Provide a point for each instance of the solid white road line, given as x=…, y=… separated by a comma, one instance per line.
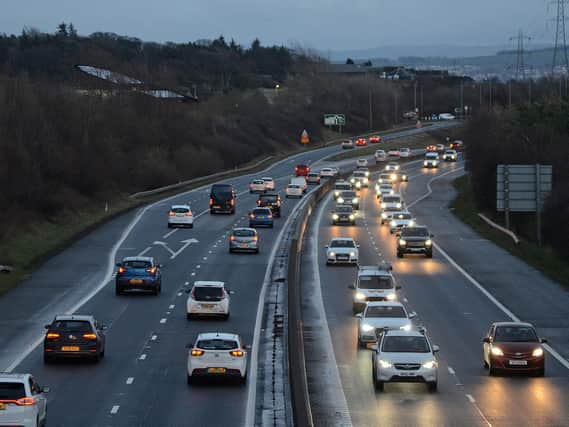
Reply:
x=171, y=307
x=469, y=397
x=430, y=190
x=154, y=337
x=451, y=371
x=169, y=233
x=115, y=409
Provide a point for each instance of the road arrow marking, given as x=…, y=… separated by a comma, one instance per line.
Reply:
x=186, y=243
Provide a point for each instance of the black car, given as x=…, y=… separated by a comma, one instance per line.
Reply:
x=272, y=201
x=74, y=336
x=343, y=214
x=222, y=198
x=415, y=240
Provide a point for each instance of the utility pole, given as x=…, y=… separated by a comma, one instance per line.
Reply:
x=415, y=94
x=520, y=61
x=560, y=48
x=462, y=99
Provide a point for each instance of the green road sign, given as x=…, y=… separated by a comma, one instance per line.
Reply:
x=334, y=120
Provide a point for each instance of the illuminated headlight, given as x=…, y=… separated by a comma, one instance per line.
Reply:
x=358, y=184
x=425, y=163
x=361, y=297
x=391, y=192
x=431, y=364
x=393, y=177
x=366, y=181
x=385, y=364
x=352, y=217
x=335, y=216
x=453, y=157
x=393, y=224
x=367, y=173
x=384, y=215
x=435, y=162
x=352, y=254
x=396, y=168
x=332, y=254
x=538, y=352
x=496, y=351
x=391, y=297
x=402, y=242
x=411, y=223
x=398, y=205
x=340, y=200
x=367, y=328
x=377, y=188
x=352, y=180
x=355, y=200
x=336, y=193
x=428, y=242
x=383, y=205
x=404, y=177
x=405, y=328
x=380, y=180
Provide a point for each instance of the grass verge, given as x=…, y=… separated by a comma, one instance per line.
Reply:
x=543, y=259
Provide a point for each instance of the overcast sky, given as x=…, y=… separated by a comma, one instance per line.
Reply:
x=320, y=24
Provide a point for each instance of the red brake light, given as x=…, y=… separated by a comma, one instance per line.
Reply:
x=210, y=201
x=90, y=336
x=270, y=216
x=52, y=335
x=26, y=401
x=251, y=216
x=189, y=214
x=236, y=353
x=196, y=352
x=258, y=202
x=232, y=202
x=255, y=238
x=171, y=213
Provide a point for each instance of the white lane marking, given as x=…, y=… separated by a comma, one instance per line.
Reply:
x=186, y=243
x=469, y=397
x=429, y=189
x=497, y=303
x=252, y=381
x=171, y=306
x=198, y=266
x=186, y=283
x=144, y=251
x=169, y=233
x=163, y=320
x=210, y=252
x=180, y=294
x=130, y=380
x=205, y=258
x=193, y=273
x=115, y=409
x=341, y=403
x=451, y=371
x=154, y=337
x=142, y=357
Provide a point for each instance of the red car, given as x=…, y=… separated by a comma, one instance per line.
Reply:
x=376, y=139
x=301, y=170
x=513, y=347
x=360, y=142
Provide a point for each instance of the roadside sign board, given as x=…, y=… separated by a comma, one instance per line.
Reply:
x=522, y=188
x=334, y=120
x=304, y=138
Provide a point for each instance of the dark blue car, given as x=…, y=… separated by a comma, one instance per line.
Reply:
x=261, y=217
x=138, y=273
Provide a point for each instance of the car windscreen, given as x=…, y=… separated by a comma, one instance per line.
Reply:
x=222, y=192
x=261, y=212
x=386, y=311
x=271, y=198
x=217, y=344
x=386, y=187
x=342, y=244
x=411, y=231
x=515, y=334
x=180, y=210
x=343, y=186
x=450, y=152
x=391, y=199
x=402, y=216
x=431, y=156
x=348, y=194
x=401, y=344
x=244, y=233
x=12, y=390
x=375, y=282
x=385, y=176
x=137, y=264
x=205, y=293
x=344, y=209
x=72, y=325
x=258, y=182
x=359, y=174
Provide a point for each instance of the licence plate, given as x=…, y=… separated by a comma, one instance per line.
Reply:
x=407, y=374
x=518, y=362
x=216, y=206
x=207, y=305
x=216, y=370
x=243, y=245
x=135, y=281
x=70, y=348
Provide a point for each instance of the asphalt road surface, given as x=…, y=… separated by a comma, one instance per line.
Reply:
x=456, y=313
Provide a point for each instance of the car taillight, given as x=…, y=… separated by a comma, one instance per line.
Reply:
x=171, y=213
x=255, y=238
x=196, y=353
x=270, y=216
x=258, y=203
x=122, y=269
x=251, y=216
x=26, y=401
x=210, y=201
x=90, y=336
x=52, y=335
x=232, y=202
x=236, y=353
x=232, y=238
x=151, y=270
x=189, y=214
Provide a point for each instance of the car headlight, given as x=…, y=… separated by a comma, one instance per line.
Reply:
x=393, y=177
x=393, y=223
x=360, y=296
x=396, y=168
x=336, y=193
x=497, y=351
x=352, y=180
x=358, y=184
x=377, y=188
x=384, y=364
x=435, y=162
x=332, y=254
x=431, y=364
x=367, y=328
x=391, y=297
x=352, y=217
x=391, y=192
x=398, y=205
x=340, y=200
x=428, y=242
x=404, y=177
x=355, y=200
x=335, y=216
x=425, y=163
x=402, y=242
x=352, y=254
x=405, y=328
x=384, y=215
x=366, y=181
x=367, y=173
x=411, y=223
x=383, y=205
x=538, y=352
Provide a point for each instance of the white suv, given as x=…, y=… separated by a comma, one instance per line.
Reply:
x=381, y=315
x=404, y=356
x=208, y=298
x=431, y=160
x=374, y=283
x=217, y=354
x=22, y=401
x=180, y=216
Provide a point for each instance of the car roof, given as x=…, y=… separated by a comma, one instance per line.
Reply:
x=514, y=324
x=403, y=333
x=214, y=335
x=343, y=239
x=209, y=284
x=13, y=376
x=180, y=206
x=384, y=304
x=79, y=317
x=258, y=180
x=394, y=195
x=343, y=205
x=262, y=208
x=138, y=258
x=244, y=229
x=267, y=178
x=373, y=270
x=402, y=212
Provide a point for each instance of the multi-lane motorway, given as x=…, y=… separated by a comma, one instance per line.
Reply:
x=142, y=379
x=468, y=284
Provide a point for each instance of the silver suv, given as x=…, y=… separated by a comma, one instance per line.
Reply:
x=374, y=283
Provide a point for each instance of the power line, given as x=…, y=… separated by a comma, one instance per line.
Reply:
x=520, y=54
x=560, y=48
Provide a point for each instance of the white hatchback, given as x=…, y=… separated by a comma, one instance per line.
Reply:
x=293, y=190
x=217, y=355
x=180, y=216
x=22, y=401
x=342, y=250
x=327, y=173
x=380, y=315
x=269, y=183
x=257, y=186
x=208, y=298
x=361, y=162
x=404, y=152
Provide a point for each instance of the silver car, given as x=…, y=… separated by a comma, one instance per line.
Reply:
x=244, y=239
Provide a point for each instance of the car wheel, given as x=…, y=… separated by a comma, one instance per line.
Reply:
x=429, y=254
x=118, y=291
x=399, y=254
x=189, y=316
x=271, y=226
x=539, y=373
x=432, y=386
x=485, y=363
x=230, y=250
x=243, y=380
x=190, y=380
x=379, y=385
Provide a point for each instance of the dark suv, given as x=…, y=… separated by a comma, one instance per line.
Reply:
x=74, y=336
x=272, y=201
x=415, y=240
x=222, y=198
x=138, y=273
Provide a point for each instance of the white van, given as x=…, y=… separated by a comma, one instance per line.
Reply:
x=300, y=181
